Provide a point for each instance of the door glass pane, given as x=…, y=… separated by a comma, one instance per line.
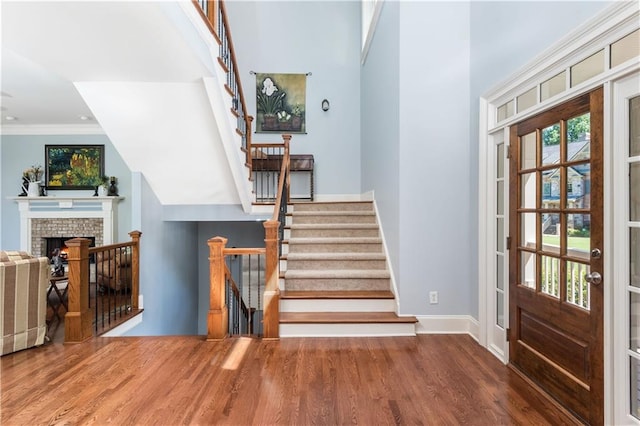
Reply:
x=500, y=197
x=500, y=234
x=528, y=151
x=551, y=189
x=528, y=192
x=634, y=192
x=634, y=126
x=500, y=271
x=500, y=308
x=528, y=230
x=634, y=257
x=528, y=269
x=634, y=326
x=626, y=48
x=579, y=138
x=553, y=86
x=587, y=68
x=579, y=187
x=577, y=285
x=634, y=382
x=551, y=144
x=579, y=235
x=550, y=232
x=506, y=110
x=500, y=161
x=527, y=99
x=550, y=275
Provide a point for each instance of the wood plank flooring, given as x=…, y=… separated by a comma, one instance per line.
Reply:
x=170, y=380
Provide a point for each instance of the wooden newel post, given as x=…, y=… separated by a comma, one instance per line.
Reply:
x=78, y=320
x=218, y=317
x=135, y=269
x=271, y=320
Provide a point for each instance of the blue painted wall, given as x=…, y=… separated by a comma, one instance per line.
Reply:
x=168, y=270
x=380, y=128
x=323, y=38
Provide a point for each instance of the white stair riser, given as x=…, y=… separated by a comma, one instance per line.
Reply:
x=337, y=305
x=347, y=330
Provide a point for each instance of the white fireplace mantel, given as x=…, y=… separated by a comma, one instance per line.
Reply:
x=104, y=208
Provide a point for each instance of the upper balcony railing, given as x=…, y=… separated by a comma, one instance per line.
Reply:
x=214, y=15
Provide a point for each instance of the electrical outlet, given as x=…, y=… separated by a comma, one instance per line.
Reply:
x=433, y=297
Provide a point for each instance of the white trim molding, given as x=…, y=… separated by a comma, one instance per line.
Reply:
x=448, y=324
x=104, y=208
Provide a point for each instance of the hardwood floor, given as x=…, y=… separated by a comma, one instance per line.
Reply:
x=429, y=379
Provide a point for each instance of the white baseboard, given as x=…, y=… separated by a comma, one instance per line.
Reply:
x=124, y=327
x=448, y=324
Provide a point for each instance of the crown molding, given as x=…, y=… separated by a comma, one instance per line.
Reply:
x=51, y=129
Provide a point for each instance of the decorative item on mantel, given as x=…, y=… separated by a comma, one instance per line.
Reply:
x=31, y=179
x=113, y=189
x=101, y=186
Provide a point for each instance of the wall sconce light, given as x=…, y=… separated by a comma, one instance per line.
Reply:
x=325, y=105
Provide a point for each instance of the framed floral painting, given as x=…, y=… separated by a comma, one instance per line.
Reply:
x=74, y=166
x=281, y=103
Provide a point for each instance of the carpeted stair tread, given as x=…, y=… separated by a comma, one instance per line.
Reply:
x=343, y=318
x=333, y=206
x=333, y=240
x=333, y=213
x=336, y=294
x=334, y=256
x=337, y=273
x=333, y=226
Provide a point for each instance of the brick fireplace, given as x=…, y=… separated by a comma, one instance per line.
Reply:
x=47, y=217
x=61, y=228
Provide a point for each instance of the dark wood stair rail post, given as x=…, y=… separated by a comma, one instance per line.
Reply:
x=218, y=317
x=135, y=268
x=78, y=320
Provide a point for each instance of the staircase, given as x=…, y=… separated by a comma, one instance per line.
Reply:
x=334, y=273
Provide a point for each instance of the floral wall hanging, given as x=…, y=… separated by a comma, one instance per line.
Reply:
x=281, y=103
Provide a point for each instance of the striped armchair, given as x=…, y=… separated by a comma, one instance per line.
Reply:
x=23, y=300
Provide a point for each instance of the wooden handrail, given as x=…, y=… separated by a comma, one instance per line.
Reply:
x=80, y=315
x=284, y=174
x=241, y=97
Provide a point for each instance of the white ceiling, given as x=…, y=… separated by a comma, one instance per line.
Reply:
x=49, y=46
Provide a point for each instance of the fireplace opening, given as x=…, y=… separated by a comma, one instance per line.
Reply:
x=52, y=243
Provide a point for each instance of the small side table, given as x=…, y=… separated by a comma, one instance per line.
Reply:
x=56, y=285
